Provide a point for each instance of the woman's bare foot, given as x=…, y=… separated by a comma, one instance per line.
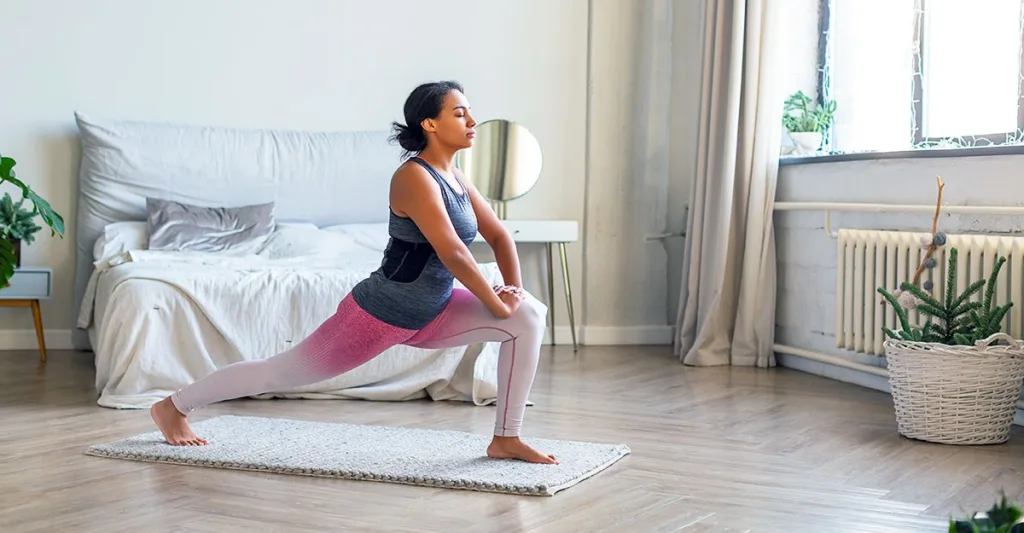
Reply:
x=173, y=425
x=513, y=448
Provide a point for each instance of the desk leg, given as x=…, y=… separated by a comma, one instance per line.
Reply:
x=37, y=317
x=568, y=294
x=551, y=293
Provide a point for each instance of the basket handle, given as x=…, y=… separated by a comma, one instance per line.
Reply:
x=1016, y=343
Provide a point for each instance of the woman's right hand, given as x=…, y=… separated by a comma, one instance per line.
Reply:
x=510, y=303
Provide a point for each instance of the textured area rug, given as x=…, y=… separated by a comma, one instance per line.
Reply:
x=432, y=458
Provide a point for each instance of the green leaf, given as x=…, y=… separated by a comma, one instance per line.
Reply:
x=965, y=308
x=971, y=289
x=49, y=216
x=6, y=262
x=951, y=279
x=900, y=312
x=990, y=289
x=6, y=167
x=921, y=294
x=994, y=323
x=931, y=310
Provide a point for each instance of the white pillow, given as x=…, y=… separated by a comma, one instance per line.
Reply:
x=290, y=239
x=305, y=240
x=371, y=235
x=117, y=239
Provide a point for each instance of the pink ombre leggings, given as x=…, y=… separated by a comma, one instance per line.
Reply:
x=352, y=337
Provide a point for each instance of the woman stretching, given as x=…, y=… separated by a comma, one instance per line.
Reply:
x=410, y=299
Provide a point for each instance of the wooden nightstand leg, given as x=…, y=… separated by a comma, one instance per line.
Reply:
x=37, y=317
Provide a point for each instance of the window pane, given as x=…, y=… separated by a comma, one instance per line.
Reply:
x=872, y=73
x=971, y=67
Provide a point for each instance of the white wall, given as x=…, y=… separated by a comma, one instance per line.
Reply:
x=301, y=64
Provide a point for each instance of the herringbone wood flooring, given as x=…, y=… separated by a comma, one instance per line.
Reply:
x=714, y=450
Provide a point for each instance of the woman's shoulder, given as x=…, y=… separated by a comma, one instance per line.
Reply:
x=410, y=180
x=410, y=172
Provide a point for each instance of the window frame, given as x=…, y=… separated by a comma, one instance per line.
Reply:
x=917, y=81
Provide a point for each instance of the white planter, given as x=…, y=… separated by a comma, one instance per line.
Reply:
x=956, y=394
x=807, y=142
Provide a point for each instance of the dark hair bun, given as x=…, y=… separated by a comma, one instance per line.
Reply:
x=412, y=140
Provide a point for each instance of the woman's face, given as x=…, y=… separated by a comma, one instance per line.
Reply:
x=454, y=125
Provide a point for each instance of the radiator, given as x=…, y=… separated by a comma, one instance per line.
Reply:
x=868, y=259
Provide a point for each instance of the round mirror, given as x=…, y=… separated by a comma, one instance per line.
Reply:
x=504, y=162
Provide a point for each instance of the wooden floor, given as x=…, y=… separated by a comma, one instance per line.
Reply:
x=714, y=450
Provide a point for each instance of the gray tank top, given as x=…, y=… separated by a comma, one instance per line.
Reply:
x=412, y=286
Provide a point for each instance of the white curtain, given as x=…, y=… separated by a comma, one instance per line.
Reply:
x=726, y=310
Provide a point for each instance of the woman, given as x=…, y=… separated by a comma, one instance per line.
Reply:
x=435, y=215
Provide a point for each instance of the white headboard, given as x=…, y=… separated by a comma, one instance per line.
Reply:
x=320, y=177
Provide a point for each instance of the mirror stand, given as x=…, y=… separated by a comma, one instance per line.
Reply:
x=500, y=208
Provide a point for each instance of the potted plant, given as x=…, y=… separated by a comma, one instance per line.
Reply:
x=17, y=224
x=9, y=251
x=807, y=122
x=957, y=378
x=1003, y=517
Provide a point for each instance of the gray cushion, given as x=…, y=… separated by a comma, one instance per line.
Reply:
x=175, y=226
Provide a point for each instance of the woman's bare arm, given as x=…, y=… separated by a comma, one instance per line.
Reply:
x=497, y=237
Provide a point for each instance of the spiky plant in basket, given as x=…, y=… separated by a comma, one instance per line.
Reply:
x=957, y=321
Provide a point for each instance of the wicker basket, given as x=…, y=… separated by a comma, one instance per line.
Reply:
x=956, y=394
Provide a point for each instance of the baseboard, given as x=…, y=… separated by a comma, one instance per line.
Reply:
x=846, y=372
x=25, y=339
x=611, y=335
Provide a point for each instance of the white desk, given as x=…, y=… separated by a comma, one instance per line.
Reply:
x=549, y=233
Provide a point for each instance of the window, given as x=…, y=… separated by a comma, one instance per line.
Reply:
x=911, y=74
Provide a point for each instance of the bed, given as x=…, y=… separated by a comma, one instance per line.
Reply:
x=157, y=320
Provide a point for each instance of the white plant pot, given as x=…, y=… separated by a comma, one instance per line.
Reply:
x=807, y=142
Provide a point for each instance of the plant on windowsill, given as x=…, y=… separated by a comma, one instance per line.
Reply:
x=806, y=122
x=957, y=378
x=13, y=229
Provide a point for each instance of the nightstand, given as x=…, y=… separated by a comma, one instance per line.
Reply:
x=28, y=286
x=550, y=233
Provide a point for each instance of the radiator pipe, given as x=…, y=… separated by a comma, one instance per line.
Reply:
x=896, y=208
x=828, y=207
x=839, y=361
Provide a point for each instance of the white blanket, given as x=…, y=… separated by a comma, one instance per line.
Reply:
x=164, y=320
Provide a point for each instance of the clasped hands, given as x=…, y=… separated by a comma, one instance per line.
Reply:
x=510, y=295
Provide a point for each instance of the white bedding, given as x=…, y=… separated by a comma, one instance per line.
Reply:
x=160, y=320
